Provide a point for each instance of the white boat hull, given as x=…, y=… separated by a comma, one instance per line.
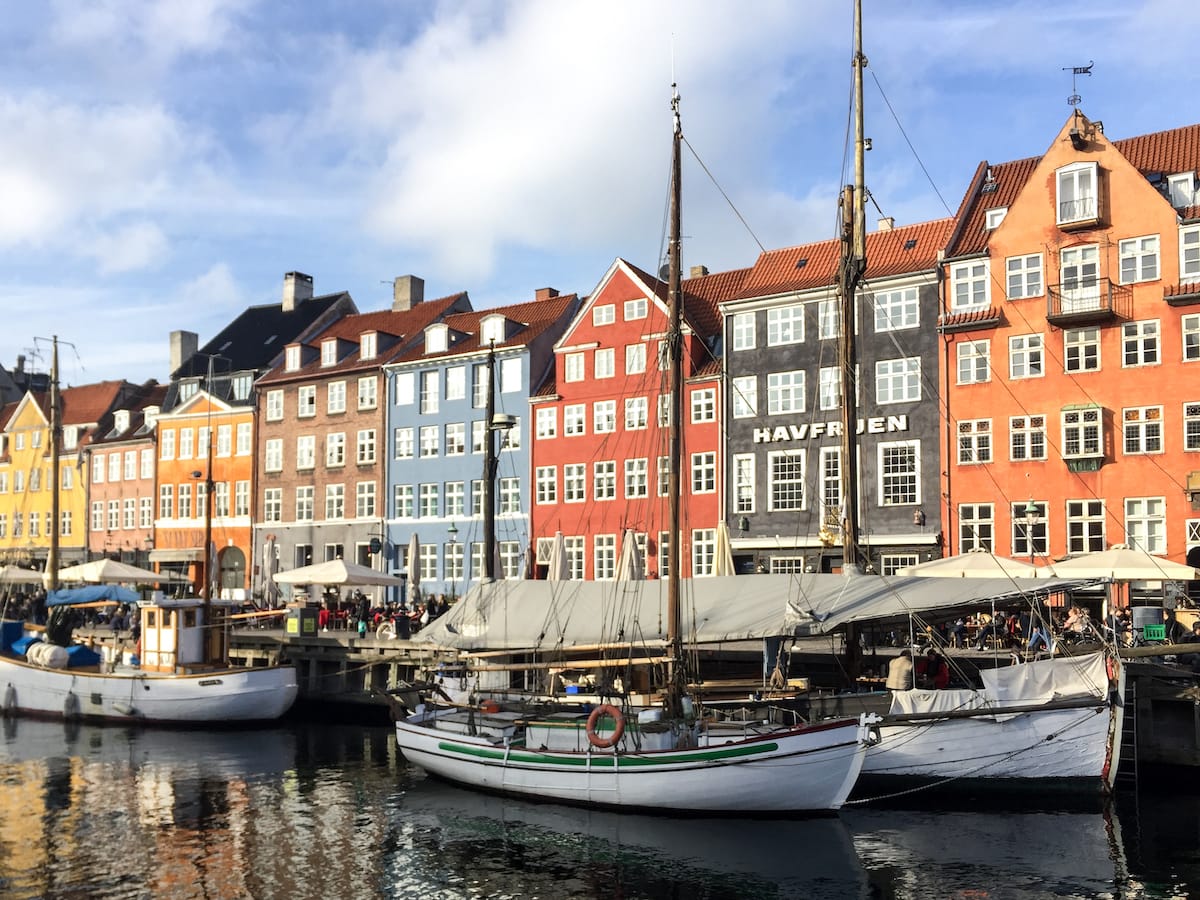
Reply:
x=1076, y=740
x=131, y=695
x=808, y=769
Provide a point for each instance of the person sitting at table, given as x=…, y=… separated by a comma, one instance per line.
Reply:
x=932, y=671
x=996, y=627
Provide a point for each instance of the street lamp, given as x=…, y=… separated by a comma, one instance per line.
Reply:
x=1031, y=519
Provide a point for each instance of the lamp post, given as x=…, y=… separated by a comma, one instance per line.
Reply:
x=452, y=581
x=1031, y=519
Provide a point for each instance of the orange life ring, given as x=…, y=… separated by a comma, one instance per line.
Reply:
x=605, y=709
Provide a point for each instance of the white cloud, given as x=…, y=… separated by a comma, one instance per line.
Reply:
x=136, y=246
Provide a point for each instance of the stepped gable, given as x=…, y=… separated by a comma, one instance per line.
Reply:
x=259, y=334
x=896, y=251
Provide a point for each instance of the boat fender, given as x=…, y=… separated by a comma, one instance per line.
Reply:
x=10, y=700
x=1111, y=666
x=489, y=707
x=71, y=706
x=605, y=709
x=386, y=631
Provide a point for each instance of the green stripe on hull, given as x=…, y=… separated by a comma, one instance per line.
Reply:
x=597, y=761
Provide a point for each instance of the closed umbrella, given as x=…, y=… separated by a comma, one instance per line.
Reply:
x=557, y=569
x=630, y=566
x=414, y=564
x=723, y=556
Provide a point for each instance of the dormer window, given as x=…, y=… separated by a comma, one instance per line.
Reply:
x=492, y=329
x=292, y=358
x=1077, y=193
x=436, y=339
x=368, y=345
x=121, y=421
x=993, y=218
x=241, y=386
x=1182, y=189
x=329, y=355
x=188, y=389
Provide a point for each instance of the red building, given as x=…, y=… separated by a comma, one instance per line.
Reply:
x=600, y=427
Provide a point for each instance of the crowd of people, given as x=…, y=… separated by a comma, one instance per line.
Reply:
x=355, y=612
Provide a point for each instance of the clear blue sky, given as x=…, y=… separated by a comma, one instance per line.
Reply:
x=164, y=162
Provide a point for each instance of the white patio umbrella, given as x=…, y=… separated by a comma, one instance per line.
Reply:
x=630, y=566
x=335, y=571
x=414, y=564
x=109, y=571
x=557, y=569
x=723, y=556
x=976, y=564
x=17, y=575
x=1122, y=563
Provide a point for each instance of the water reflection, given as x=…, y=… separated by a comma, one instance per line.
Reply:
x=316, y=811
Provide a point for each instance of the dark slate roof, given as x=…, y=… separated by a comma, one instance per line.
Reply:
x=255, y=338
x=149, y=394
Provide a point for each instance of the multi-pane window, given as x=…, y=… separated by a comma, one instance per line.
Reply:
x=743, y=331
x=456, y=439
x=428, y=495
x=365, y=447
x=305, y=503
x=1081, y=350
x=891, y=563
x=976, y=527
x=898, y=380
x=635, y=478
x=829, y=319
x=145, y=512
x=830, y=461
x=704, y=552
x=1189, y=253
x=166, y=501
x=185, y=501
x=635, y=309
x=456, y=498
x=604, y=480
x=604, y=315
x=273, y=459
x=166, y=444
x=456, y=383
x=604, y=416
x=274, y=406
x=481, y=380
x=573, y=420
x=743, y=483
x=336, y=397
x=605, y=363
x=1030, y=529
x=1139, y=343
x=510, y=496
x=479, y=435
x=405, y=388
x=1076, y=193
x=368, y=392
x=785, y=392
x=1139, y=259
x=403, y=501
x=785, y=473
x=1083, y=432
x=744, y=390
x=430, y=392
x=242, y=441
x=1024, y=275
x=1190, y=328
x=636, y=413
x=1027, y=437
x=785, y=325
x=1080, y=287
x=664, y=476
x=704, y=405
x=306, y=451
x=241, y=498
x=224, y=440
x=829, y=392
x=306, y=401
x=453, y=560
x=114, y=471
x=405, y=440
x=221, y=499
x=969, y=285
x=899, y=473
x=1025, y=359
x=1146, y=524
x=545, y=481
x=335, y=449
x=635, y=359
x=664, y=410
x=1191, y=426
x=546, y=422
x=1085, y=526
x=573, y=367
x=147, y=464
x=895, y=310
x=273, y=505
x=704, y=473
x=574, y=546
x=1142, y=428
x=574, y=483
x=430, y=439
x=605, y=556
x=974, y=441
x=974, y=362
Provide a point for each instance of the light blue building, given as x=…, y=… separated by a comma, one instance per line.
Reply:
x=436, y=424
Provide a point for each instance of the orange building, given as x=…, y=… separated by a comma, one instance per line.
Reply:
x=1071, y=340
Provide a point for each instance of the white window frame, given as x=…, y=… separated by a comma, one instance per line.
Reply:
x=787, y=480
x=785, y=325
x=786, y=392
x=970, y=285
x=1083, y=432
x=1146, y=524
x=1077, y=191
x=1189, y=254
x=1139, y=259
x=976, y=527
x=1024, y=276
x=899, y=471
x=604, y=480
x=1027, y=438
x=604, y=314
x=898, y=380
x=1142, y=430
x=974, y=441
x=635, y=359
x=1026, y=356
x=573, y=367
x=897, y=310
x=274, y=405
x=1081, y=350
x=974, y=361
x=744, y=469
x=744, y=390
x=1140, y=344
x=742, y=331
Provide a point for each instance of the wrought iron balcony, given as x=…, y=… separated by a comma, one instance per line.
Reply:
x=1088, y=300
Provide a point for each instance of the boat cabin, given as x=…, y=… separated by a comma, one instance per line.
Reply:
x=176, y=638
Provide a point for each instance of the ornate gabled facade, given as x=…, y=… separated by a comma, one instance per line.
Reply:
x=600, y=427
x=1071, y=323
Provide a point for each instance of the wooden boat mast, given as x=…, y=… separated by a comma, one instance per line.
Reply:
x=490, y=465
x=52, y=557
x=674, y=350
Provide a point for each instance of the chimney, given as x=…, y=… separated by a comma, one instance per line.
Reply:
x=297, y=287
x=698, y=271
x=407, y=292
x=184, y=345
x=887, y=223
x=545, y=293
x=20, y=369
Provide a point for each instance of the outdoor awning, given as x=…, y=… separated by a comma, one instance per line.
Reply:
x=190, y=554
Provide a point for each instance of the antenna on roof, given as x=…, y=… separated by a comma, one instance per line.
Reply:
x=1076, y=71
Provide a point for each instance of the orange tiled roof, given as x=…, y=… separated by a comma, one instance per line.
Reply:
x=702, y=296
x=86, y=404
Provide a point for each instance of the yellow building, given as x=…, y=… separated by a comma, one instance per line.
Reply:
x=27, y=482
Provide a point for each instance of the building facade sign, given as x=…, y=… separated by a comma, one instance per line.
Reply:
x=805, y=431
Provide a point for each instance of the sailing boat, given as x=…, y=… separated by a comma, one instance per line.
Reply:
x=667, y=758
x=1052, y=721
x=180, y=678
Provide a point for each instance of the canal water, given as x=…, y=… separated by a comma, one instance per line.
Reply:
x=333, y=811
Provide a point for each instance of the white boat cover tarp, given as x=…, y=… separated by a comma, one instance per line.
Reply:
x=1047, y=679
x=522, y=614
x=922, y=701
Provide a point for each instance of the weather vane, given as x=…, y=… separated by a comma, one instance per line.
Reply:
x=1076, y=71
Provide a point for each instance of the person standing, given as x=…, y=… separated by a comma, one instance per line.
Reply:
x=900, y=672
